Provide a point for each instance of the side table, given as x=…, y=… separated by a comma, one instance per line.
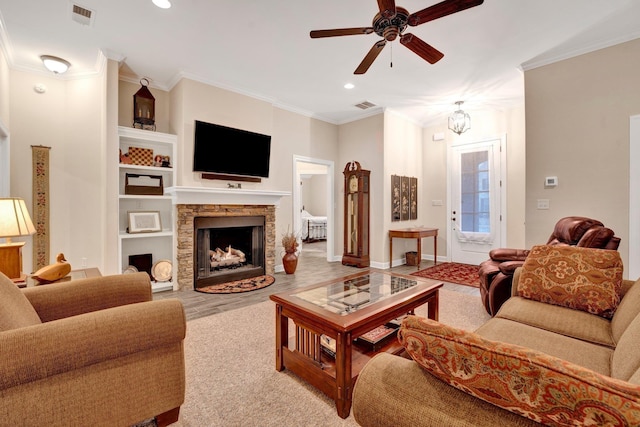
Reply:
x=82, y=273
x=415, y=233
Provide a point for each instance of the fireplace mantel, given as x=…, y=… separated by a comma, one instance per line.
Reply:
x=224, y=196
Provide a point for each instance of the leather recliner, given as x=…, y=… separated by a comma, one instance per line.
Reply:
x=496, y=273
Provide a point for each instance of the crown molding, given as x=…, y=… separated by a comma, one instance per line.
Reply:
x=274, y=102
x=5, y=43
x=572, y=53
x=374, y=111
x=136, y=80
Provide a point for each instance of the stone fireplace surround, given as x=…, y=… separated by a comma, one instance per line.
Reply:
x=192, y=202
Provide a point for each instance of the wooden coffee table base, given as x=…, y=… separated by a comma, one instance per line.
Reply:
x=303, y=354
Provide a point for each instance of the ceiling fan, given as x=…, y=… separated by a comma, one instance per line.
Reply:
x=391, y=22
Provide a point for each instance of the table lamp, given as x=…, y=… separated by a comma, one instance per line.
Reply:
x=14, y=222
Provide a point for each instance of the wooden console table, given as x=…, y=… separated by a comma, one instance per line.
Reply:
x=415, y=233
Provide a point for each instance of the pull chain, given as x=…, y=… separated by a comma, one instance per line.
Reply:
x=391, y=55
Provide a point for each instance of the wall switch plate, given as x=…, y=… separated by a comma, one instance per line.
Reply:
x=436, y=203
x=543, y=203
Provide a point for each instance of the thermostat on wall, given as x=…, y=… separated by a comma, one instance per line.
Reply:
x=551, y=181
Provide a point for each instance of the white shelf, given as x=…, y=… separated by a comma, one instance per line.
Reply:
x=127, y=166
x=140, y=135
x=166, y=233
x=162, y=244
x=161, y=286
x=144, y=197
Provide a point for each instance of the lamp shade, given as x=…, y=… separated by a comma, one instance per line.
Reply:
x=14, y=218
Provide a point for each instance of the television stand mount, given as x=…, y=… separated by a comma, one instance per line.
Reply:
x=224, y=177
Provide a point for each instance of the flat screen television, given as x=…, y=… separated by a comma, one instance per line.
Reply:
x=223, y=150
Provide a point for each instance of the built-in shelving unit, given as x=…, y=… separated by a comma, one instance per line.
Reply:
x=160, y=244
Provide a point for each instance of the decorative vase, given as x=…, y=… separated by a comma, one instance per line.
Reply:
x=290, y=262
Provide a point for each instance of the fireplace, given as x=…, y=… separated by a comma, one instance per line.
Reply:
x=199, y=202
x=228, y=248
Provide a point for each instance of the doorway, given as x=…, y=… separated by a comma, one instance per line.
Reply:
x=476, y=194
x=313, y=181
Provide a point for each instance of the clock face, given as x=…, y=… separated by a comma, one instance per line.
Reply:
x=353, y=184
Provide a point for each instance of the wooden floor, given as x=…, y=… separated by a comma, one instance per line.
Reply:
x=312, y=268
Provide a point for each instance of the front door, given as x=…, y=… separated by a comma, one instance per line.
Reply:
x=476, y=194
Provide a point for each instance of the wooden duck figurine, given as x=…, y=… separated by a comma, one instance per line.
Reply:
x=53, y=272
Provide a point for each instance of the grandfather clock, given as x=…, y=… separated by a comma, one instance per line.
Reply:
x=356, y=215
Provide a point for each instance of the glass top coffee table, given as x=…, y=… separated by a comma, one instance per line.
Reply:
x=342, y=323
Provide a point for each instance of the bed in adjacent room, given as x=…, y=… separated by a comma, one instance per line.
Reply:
x=313, y=228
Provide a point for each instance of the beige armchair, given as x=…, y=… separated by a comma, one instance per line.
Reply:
x=93, y=352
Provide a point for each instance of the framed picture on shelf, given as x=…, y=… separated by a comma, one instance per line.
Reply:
x=144, y=222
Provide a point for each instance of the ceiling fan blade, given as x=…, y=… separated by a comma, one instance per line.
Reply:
x=421, y=48
x=447, y=7
x=387, y=8
x=371, y=56
x=316, y=34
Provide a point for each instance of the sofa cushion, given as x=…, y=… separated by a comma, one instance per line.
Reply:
x=561, y=320
x=579, y=278
x=15, y=309
x=626, y=357
x=628, y=309
x=540, y=387
x=582, y=353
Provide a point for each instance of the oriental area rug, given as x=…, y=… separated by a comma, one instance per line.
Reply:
x=244, y=285
x=452, y=272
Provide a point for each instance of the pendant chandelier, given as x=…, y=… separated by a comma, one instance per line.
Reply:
x=459, y=121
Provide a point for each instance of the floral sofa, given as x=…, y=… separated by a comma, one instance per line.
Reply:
x=563, y=350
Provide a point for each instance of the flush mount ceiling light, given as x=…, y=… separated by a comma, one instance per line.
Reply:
x=55, y=64
x=349, y=86
x=162, y=4
x=459, y=121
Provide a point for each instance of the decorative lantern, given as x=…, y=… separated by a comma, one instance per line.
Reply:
x=144, y=106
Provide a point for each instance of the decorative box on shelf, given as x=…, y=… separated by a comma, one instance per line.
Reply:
x=150, y=185
x=377, y=338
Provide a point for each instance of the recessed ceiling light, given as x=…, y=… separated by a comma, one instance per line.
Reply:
x=55, y=64
x=349, y=86
x=163, y=4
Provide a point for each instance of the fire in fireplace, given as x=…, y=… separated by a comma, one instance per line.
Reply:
x=228, y=248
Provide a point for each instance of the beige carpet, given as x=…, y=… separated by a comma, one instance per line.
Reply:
x=231, y=376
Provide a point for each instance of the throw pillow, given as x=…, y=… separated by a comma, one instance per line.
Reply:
x=579, y=278
x=524, y=381
x=15, y=309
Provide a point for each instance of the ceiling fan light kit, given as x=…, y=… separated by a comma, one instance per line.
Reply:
x=390, y=24
x=459, y=121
